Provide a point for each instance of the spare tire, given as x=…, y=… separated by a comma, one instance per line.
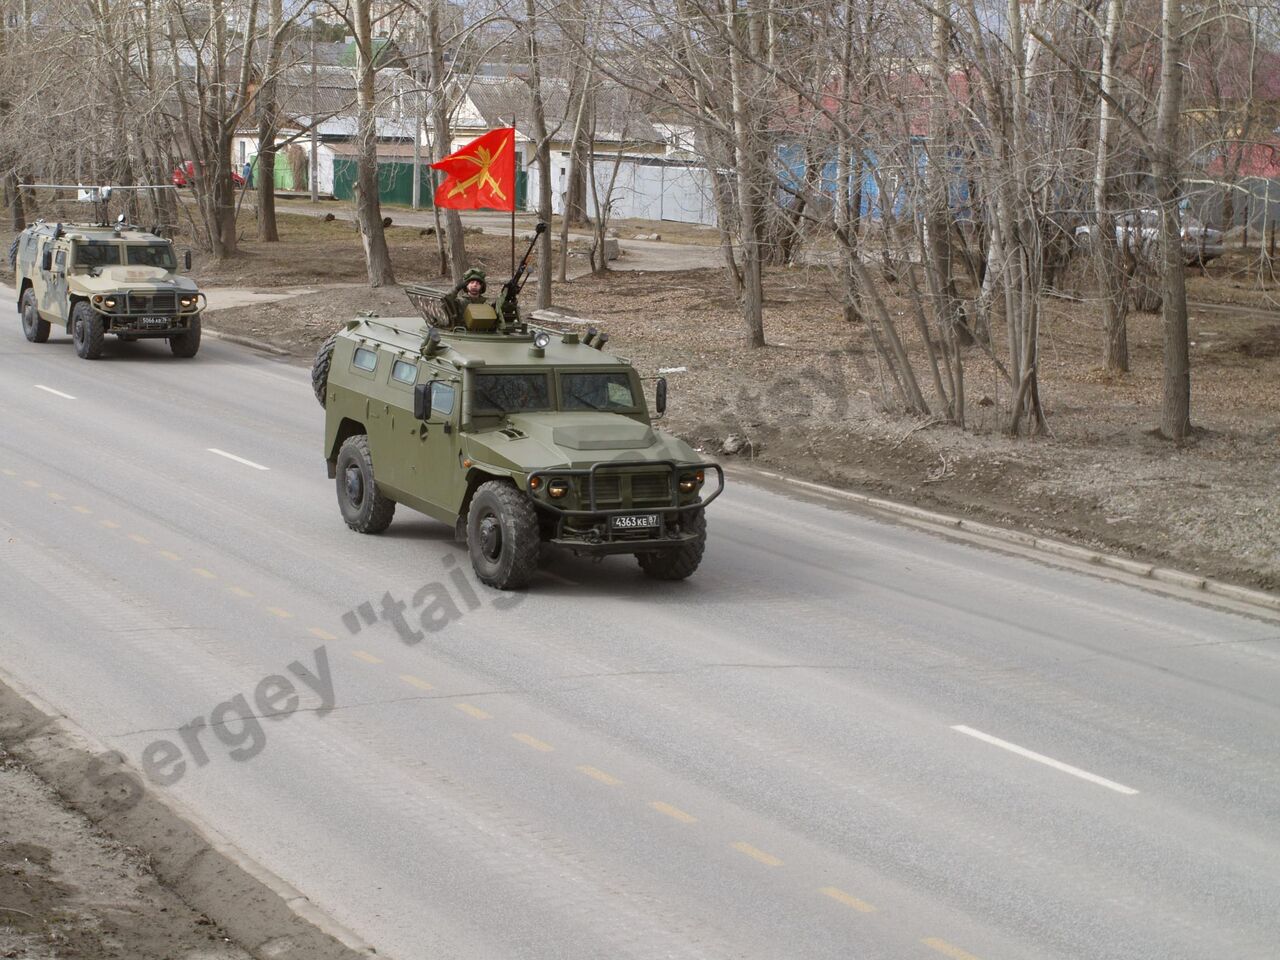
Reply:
x=320, y=368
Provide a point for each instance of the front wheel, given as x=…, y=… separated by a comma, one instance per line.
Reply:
x=87, y=331
x=680, y=562
x=363, y=508
x=36, y=330
x=502, y=536
x=187, y=343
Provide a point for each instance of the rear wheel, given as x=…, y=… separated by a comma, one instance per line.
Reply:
x=502, y=536
x=36, y=330
x=363, y=508
x=87, y=331
x=679, y=562
x=187, y=343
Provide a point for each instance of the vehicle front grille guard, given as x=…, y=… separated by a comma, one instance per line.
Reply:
x=618, y=465
x=133, y=305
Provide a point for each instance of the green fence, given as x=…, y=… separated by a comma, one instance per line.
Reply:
x=395, y=182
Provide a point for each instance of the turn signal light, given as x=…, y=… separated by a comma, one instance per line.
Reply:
x=535, y=484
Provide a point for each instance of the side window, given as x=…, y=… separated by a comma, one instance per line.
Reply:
x=402, y=371
x=442, y=395
x=365, y=359
x=60, y=261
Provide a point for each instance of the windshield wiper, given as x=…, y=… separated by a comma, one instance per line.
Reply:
x=583, y=400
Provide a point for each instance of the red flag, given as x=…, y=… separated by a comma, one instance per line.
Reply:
x=481, y=174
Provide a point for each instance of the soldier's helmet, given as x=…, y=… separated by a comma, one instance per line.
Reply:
x=475, y=273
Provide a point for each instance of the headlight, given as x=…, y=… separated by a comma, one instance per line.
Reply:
x=540, y=340
x=690, y=482
x=558, y=488
x=187, y=301
x=109, y=303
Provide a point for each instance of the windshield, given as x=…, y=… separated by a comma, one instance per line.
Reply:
x=596, y=391
x=151, y=255
x=97, y=253
x=508, y=392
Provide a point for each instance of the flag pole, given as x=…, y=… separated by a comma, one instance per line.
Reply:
x=513, y=198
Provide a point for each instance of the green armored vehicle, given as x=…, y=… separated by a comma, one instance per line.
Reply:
x=516, y=435
x=94, y=280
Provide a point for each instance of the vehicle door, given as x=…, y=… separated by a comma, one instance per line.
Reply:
x=439, y=469
x=53, y=299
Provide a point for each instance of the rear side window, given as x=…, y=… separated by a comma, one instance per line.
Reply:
x=365, y=359
x=404, y=371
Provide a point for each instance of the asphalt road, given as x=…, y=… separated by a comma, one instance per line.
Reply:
x=842, y=738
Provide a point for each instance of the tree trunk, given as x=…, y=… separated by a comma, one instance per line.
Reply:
x=267, y=125
x=455, y=239
x=542, y=153
x=750, y=214
x=368, y=203
x=1115, y=304
x=1175, y=414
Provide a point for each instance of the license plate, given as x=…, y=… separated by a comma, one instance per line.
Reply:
x=636, y=521
x=154, y=322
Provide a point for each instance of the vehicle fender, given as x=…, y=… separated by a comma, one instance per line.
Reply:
x=338, y=435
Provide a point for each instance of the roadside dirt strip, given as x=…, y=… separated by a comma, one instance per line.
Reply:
x=257, y=909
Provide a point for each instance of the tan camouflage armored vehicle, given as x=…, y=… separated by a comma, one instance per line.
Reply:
x=515, y=435
x=96, y=280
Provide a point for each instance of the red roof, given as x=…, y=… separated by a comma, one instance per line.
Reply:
x=1248, y=160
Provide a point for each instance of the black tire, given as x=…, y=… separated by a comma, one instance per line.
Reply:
x=36, y=330
x=320, y=368
x=363, y=508
x=187, y=343
x=680, y=562
x=502, y=536
x=87, y=331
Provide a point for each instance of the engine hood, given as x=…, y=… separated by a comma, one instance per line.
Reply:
x=533, y=441
x=111, y=279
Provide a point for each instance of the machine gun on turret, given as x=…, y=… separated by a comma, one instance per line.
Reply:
x=507, y=302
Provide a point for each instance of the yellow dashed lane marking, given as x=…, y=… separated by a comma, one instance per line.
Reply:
x=415, y=682
x=835, y=893
x=947, y=949
x=239, y=591
x=675, y=813
x=110, y=524
x=9, y=473
x=471, y=711
x=202, y=572
x=81, y=509
x=600, y=775
x=316, y=631
x=55, y=496
x=366, y=657
x=768, y=859
x=282, y=614
x=169, y=555
x=534, y=742
x=31, y=483
x=139, y=538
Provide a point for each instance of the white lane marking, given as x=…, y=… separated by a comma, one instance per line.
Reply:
x=232, y=456
x=1047, y=761
x=56, y=393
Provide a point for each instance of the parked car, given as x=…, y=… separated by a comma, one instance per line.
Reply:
x=1140, y=231
x=184, y=173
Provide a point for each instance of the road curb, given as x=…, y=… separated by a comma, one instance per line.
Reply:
x=264, y=914
x=248, y=342
x=1137, y=568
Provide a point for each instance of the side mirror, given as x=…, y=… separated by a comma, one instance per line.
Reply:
x=660, y=396
x=46, y=261
x=186, y=260
x=422, y=401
